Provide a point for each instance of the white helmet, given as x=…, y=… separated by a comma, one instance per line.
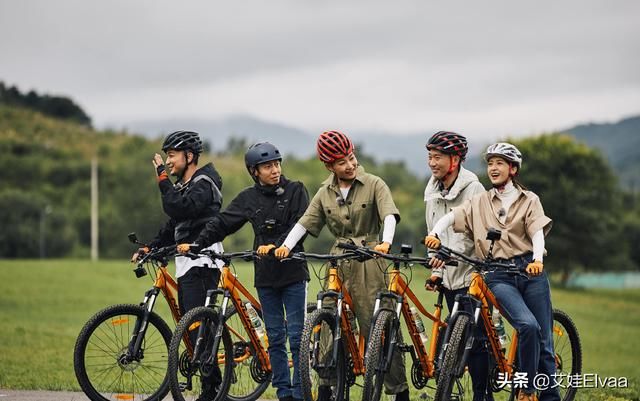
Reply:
x=506, y=151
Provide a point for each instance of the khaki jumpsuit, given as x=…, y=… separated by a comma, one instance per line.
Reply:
x=358, y=218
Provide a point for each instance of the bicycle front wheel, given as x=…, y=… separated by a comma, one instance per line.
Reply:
x=452, y=370
x=568, y=351
x=205, y=373
x=105, y=369
x=322, y=360
x=378, y=356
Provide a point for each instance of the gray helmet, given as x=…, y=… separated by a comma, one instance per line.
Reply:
x=258, y=153
x=505, y=150
x=183, y=140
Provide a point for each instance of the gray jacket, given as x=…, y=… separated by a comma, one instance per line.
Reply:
x=437, y=205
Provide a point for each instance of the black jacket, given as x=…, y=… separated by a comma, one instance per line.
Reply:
x=189, y=206
x=272, y=211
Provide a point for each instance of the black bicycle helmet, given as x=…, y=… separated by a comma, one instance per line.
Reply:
x=258, y=153
x=183, y=140
x=449, y=143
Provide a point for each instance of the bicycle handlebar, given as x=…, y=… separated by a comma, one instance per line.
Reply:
x=486, y=265
x=404, y=257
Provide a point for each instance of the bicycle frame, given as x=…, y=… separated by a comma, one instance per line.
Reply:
x=165, y=284
x=231, y=289
x=399, y=290
x=480, y=292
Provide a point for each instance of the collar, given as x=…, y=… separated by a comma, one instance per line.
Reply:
x=508, y=190
x=272, y=190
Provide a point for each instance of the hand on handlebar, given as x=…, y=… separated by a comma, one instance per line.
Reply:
x=282, y=252
x=382, y=247
x=264, y=250
x=535, y=268
x=433, y=283
x=432, y=241
x=139, y=253
x=185, y=249
x=436, y=262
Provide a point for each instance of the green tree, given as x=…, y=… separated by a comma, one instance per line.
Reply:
x=579, y=192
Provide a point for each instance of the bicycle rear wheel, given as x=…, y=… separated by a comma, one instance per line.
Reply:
x=568, y=351
x=101, y=362
x=248, y=381
x=205, y=373
x=317, y=366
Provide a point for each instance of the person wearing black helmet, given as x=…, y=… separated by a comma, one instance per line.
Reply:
x=451, y=185
x=272, y=205
x=192, y=201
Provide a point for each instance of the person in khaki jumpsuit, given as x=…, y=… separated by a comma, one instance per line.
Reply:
x=353, y=205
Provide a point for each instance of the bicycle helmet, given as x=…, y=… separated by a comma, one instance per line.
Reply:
x=333, y=145
x=449, y=143
x=505, y=150
x=183, y=140
x=258, y=153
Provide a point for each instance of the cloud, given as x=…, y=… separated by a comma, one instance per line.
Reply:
x=495, y=66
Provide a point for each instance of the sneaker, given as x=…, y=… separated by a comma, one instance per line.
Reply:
x=209, y=392
x=403, y=395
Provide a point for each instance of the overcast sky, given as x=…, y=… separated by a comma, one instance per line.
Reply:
x=484, y=68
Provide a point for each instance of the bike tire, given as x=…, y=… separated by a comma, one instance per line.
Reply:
x=450, y=368
x=101, y=345
x=568, y=360
x=376, y=355
x=180, y=363
x=315, y=346
x=245, y=385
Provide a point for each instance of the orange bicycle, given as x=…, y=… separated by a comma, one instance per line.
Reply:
x=385, y=338
x=229, y=335
x=121, y=352
x=330, y=349
x=459, y=337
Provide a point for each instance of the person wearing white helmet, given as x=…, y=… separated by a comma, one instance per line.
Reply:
x=518, y=213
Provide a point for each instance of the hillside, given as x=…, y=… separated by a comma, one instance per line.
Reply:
x=619, y=142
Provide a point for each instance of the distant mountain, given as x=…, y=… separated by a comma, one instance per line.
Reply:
x=619, y=142
x=217, y=133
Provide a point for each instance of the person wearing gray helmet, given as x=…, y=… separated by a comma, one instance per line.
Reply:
x=272, y=205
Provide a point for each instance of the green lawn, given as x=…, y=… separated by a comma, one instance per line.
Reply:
x=43, y=305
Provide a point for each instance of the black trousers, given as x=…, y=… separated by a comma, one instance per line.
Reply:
x=479, y=357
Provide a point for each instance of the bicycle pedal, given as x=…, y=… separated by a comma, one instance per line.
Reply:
x=184, y=387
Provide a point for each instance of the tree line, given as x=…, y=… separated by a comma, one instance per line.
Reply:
x=45, y=193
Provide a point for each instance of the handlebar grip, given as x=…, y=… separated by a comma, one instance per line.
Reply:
x=346, y=245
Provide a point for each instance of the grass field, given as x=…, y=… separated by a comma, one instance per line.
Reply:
x=43, y=305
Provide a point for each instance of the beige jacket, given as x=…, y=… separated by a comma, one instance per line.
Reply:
x=437, y=205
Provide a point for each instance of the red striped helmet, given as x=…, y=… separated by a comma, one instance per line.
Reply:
x=449, y=142
x=333, y=145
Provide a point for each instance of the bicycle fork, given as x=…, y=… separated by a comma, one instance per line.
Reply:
x=140, y=328
x=395, y=326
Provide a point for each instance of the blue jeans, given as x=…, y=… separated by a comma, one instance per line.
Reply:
x=526, y=303
x=291, y=299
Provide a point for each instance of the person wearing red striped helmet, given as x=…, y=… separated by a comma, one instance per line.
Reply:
x=354, y=205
